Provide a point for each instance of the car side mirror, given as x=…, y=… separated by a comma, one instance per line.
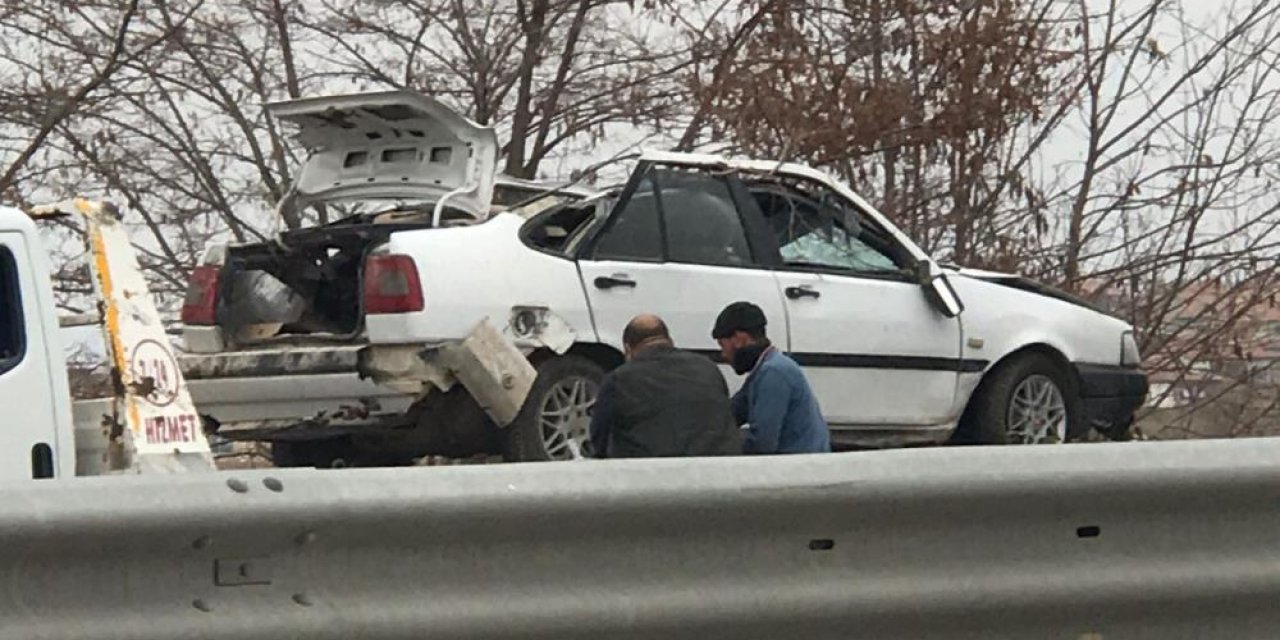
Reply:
x=938, y=289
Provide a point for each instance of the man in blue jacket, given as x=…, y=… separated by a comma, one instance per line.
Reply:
x=776, y=402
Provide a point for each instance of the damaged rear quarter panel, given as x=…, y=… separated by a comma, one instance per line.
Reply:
x=477, y=272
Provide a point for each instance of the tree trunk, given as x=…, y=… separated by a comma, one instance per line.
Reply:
x=533, y=17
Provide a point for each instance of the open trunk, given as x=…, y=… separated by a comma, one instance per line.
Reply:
x=307, y=285
x=428, y=164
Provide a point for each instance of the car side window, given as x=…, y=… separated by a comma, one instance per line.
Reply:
x=811, y=234
x=12, y=331
x=557, y=230
x=702, y=221
x=635, y=232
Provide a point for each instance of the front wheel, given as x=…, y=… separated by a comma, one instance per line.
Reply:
x=1028, y=400
x=555, y=421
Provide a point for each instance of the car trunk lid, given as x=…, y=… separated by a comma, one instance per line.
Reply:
x=395, y=144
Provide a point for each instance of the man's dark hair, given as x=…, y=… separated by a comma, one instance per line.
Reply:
x=643, y=328
x=740, y=316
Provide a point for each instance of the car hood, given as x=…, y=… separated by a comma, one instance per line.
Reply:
x=1023, y=283
x=394, y=144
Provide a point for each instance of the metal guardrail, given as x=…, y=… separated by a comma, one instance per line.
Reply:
x=1147, y=540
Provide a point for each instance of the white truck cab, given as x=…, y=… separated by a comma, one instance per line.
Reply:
x=37, y=438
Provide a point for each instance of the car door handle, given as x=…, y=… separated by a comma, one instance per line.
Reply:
x=803, y=291
x=615, y=280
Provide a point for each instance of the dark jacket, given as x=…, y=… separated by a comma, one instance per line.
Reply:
x=664, y=402
x=780, y=408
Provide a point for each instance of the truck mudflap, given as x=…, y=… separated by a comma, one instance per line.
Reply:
x=153, y=426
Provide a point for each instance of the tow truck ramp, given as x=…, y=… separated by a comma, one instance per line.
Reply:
x=1090, y=541
x=151, y=425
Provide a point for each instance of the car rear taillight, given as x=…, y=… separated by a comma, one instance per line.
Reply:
x=201, y=304
x=391, y=285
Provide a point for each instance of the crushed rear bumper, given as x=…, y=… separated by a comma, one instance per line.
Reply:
x=291, y=391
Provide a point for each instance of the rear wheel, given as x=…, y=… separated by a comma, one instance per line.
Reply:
x=554, y=423
x=1028, y=400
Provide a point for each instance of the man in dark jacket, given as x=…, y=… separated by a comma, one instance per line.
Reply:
x=776, y=400
x=662, y=401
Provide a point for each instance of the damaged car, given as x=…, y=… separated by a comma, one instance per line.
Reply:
x=433, y=325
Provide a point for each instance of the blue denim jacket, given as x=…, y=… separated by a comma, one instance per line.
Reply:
x=780, y=408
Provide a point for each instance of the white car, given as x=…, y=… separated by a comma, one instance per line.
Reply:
x=899, y=349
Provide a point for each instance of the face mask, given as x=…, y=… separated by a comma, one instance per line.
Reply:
x=744, y=359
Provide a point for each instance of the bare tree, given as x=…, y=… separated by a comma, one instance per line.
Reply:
x=178, y=135
x=1170, y=215
x=175, y=128
x=57, y=59
x=546, y=72
x=914, y=102
x=1126, y=152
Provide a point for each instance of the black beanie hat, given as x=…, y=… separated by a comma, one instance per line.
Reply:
x=739, y=316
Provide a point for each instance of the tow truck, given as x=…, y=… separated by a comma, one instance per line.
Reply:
x=149, y=424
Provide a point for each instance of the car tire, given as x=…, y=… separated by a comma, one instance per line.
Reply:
x=564, y=393
x=1030, y=399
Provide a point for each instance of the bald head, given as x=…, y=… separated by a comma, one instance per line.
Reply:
x=645, y=330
